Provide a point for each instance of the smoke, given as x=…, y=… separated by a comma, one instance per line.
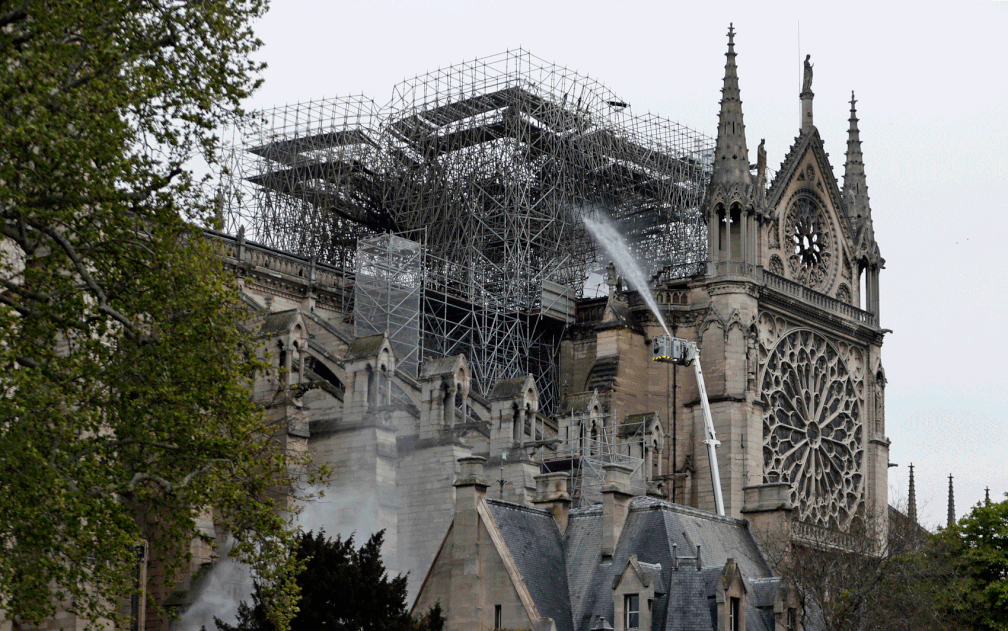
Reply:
x=341, y=512
x=228, y=583
x=608, y=237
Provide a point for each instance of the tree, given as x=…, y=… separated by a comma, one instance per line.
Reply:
x=342, y=589
x=977, y=547
x=124, y=410
x=877, y=575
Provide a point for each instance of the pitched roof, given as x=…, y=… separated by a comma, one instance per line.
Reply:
x=367, y=346
x=279, y=322
x=511, y=388
x=576, y=403
x=634, y=423
x=441, y=365
x=651, y=529
x=616, y=315
x=536, y=545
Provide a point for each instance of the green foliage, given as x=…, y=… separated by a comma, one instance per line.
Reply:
x=342, y=589
x=977, y=548
x=124, y=409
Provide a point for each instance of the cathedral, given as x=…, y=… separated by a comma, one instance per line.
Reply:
x=783, y=304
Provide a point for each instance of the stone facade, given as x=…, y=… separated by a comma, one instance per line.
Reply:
x=785, y=315
x=790, y=342
x=779, y=316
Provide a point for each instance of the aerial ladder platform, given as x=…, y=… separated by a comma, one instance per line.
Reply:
x=675, y=350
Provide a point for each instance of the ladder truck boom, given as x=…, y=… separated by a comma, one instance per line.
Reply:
x=675, y=350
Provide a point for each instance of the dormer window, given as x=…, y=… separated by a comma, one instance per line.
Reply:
x=631, y=611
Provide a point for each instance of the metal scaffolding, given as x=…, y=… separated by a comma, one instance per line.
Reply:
x=490, y=164
x=586, y=450
x=387, y=290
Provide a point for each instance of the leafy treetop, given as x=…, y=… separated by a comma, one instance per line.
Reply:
x=124, y=412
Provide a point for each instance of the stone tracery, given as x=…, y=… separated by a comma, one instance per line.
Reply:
x=812, y=393
x=811, y=241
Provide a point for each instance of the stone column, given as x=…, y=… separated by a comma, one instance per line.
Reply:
x=450, y=406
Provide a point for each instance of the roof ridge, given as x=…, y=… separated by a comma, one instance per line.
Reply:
x=518, y=507
x=642, y=503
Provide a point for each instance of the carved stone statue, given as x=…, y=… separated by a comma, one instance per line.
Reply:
x=761, y=160
x=807, y=83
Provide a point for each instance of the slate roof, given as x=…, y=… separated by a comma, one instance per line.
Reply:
x=651, y=528
x=367, y=346
x=534, y=541
x=763, y=591
x=571, y=582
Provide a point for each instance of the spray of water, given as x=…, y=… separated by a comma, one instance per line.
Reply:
x=609, y=239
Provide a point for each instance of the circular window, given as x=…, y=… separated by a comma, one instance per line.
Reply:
x=806, y=242
x=812, y=429
x=810, y=261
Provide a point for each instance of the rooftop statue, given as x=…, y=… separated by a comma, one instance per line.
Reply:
x=807, y=83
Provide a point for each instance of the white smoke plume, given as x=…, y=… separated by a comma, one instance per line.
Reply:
x=340, y=512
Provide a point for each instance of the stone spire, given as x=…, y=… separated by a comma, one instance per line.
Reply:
x=912, y=501
x=951, y=504
x=855, y=189
x=731, y=157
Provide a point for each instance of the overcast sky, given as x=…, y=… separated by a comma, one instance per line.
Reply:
x=932, y=90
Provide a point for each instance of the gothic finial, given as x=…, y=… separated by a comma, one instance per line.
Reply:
x=731, y=33
x=912, y=501
x=852, y=101
x=951, y=504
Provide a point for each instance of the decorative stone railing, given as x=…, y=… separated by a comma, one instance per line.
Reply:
x=822, y=537
x=263, y=258
x=791, y=288
x=758, y=275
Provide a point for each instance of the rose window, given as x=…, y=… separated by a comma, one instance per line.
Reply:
x=810, y=259
x=806, y=239
x=812, y=428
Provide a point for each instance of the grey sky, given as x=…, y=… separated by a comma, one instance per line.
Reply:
x=932, y=90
